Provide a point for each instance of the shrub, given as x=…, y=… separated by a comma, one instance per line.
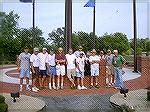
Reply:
x=2, y=99
x=148, y=95
x=3, y=107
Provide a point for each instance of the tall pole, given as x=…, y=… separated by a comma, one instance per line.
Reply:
x=68, y=23
x=33, y=24
x=135, y=35
x=94, y=27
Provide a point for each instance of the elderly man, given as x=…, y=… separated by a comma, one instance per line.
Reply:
x=118, y=62
x=109, y=69
x=34, y=61
x=24, y=67
x=42, y=67
x=60, y=60
x=94, y=61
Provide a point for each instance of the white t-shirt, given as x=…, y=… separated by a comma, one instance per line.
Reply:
x=81, y=63
x=35, y=60
x=94, y=58
x=51, y=60
x=70, y=61
x=42, y=59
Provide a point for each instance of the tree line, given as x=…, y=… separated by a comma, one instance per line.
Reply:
x=13, y=39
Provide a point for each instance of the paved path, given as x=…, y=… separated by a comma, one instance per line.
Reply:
x=135, y=99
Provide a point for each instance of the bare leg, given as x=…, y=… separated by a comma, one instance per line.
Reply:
x=43, y=80
x=40, y=81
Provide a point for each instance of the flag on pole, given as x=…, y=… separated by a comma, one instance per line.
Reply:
x=90, y=3
x=26, y=1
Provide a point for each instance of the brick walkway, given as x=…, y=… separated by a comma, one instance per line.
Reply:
x=131, y=84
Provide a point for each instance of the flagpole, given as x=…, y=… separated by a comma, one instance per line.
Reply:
x=68, y=23
x=94, y=27
x=33, y=23
x=135, y=35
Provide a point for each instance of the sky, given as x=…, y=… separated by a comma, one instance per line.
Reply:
x=111, y=16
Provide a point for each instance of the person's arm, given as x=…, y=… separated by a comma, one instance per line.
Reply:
x=19, y=62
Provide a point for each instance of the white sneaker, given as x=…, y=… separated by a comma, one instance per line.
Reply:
x=34, y=89
x=61, y=87
x=50, y=87
x=54, y=87
x=20, y=89
x=28, y=89
x=79, y=87
x=83, y=87
x=58, y=87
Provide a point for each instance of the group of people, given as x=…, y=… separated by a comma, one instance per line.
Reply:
x=56, y=66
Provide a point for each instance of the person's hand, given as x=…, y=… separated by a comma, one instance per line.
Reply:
x=33, y=71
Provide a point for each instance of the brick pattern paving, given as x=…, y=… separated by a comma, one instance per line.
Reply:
x=139, y=83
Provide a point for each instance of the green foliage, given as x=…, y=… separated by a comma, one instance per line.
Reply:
x=148, y=95
x=2, y=99
x=3, y=105
x=125, y=108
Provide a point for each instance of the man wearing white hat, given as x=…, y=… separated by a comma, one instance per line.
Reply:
x=42, y=67
x=94, y=61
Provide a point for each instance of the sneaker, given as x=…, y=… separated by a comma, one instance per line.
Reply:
x=83, y=87
x=20, y=89
x=28, y=89
x=109, y=85
x=50, y=87
x=79, y=87
x=97, y=86
x=91, y=86
x=34, y=89
x=61, y=87
x=54, y=87
x=57, y=87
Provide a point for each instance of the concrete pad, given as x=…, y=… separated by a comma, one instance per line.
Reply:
x=135, y=99
x=24, y=103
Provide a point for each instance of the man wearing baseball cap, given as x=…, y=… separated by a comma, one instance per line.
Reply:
x=24, y=67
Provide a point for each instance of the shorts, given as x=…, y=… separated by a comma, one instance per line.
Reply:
x=71, y=72
x=43, y=72
x=94, y=72
x=37, y=72
x=24, y=72
x=80, y=74
x=52, y=70
x=60, y=70
x=110, y=70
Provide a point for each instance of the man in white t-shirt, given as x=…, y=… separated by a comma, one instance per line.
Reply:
x=42, y=67
x=94, y=61
x=80, y=62
x=71, y=71
x=51, y=68
x=34, y=61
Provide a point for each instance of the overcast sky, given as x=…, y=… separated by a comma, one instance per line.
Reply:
x=111, y=16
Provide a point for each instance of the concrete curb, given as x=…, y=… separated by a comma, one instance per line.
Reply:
x=135, y=99
x=24, y=103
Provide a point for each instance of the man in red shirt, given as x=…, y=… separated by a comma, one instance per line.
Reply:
x=60, y=60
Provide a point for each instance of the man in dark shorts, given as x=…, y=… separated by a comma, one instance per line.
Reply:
x=42, y=67
x=34, y=62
